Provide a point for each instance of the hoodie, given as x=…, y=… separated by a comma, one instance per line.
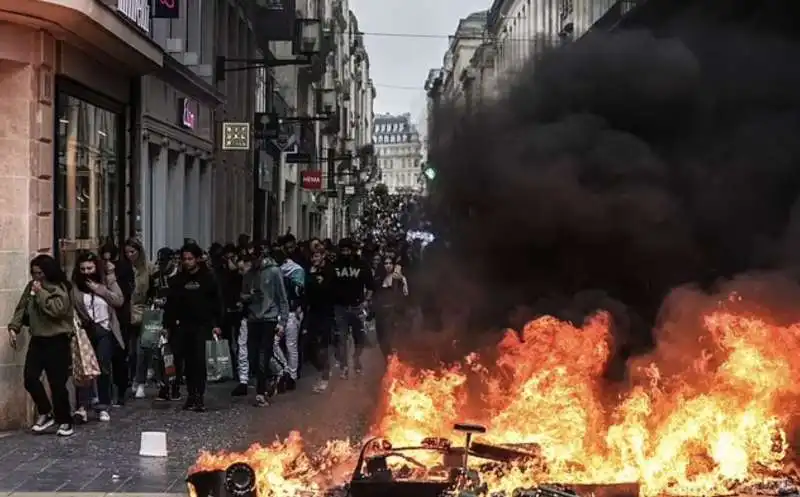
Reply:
x=294, y=278
x=193, y=299
x=264, y=294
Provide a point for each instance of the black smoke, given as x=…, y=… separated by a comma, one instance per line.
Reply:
x=622, y=166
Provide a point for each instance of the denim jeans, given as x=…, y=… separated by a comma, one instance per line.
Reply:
x=103, y=344
x=147, y=357
x=348, y=322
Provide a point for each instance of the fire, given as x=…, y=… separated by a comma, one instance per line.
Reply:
x=706, y=413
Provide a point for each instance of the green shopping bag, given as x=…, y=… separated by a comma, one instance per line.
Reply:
x=218, y=360
x=151, y=328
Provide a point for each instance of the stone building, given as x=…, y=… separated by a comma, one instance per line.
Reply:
x=110, y=127
x=398, y=147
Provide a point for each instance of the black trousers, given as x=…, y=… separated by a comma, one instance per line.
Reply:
x=387, y=321
x=189, y=353
x=320, y=335
x=51, y=355
x=260, y=345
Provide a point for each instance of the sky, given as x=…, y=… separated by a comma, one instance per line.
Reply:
x=399, y=63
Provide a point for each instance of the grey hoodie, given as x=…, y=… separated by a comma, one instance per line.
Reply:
x=264, y=295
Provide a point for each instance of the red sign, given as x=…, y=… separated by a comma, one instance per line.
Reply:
x=312, y=180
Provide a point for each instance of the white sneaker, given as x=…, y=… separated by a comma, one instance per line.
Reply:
x=80, y=415
x=104, y=416
x=345, y=374
x=43, y=422
x=65, y=430
x=321, y=386
x=139, y=392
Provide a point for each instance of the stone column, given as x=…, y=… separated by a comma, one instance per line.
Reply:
x=27, y=61
x=159, y=196
x=191, y=216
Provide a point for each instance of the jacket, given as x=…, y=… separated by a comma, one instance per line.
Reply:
x=193, y=299
x=111, y=292
x=294, y=281
x=264, y=295
x=47, y=313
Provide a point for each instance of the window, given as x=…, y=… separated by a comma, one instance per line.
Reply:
x=87, y=178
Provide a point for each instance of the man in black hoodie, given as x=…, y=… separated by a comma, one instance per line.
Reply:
x=319, y=314
x=192, y=312
x=352, y=289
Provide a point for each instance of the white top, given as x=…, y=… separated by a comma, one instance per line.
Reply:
x=98, y=309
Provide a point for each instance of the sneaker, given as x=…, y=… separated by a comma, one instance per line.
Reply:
x=43, y=422
x=80, y=416
x=139, y=392
x=199, y=405
x=291, y=384
x=119, y=400
x=190, y=404
x=261, y=401
x=65, y=430
x=345, y=374
x=321, y=386
x=163, y=393
x=175, y=393
x=359, y=370
x=240, y=390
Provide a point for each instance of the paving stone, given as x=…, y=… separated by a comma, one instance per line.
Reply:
x=102, y=458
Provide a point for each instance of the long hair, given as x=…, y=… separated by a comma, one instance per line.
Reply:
x=51, y=270
x=79, y=279
x=141, y=261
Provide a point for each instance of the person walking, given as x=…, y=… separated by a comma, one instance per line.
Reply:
x=319, y=315
x=352, y=290
x=192, y=312
x=46, y=309
x=96, y=297
x=267, y=310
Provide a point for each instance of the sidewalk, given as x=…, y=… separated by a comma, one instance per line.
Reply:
x=103, y=458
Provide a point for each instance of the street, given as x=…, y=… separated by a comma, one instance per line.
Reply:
x=103, y=459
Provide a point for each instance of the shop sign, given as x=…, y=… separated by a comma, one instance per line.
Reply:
x=188, y=113
x=235, y=136
x=137, y=11
x=311, y=180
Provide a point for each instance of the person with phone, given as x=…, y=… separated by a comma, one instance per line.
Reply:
x=46, y=310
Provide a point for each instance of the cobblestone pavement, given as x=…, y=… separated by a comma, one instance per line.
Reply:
x=103, y=459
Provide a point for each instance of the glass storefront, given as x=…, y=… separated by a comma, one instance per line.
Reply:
x=88, y=179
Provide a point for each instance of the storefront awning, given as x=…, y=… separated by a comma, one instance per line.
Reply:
x=89, y=25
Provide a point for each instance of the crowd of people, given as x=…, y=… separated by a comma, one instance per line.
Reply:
x=279, y=306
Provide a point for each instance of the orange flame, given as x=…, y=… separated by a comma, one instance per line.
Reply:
x=698, y=419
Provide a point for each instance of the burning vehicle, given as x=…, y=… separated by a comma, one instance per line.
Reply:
x=708, y=413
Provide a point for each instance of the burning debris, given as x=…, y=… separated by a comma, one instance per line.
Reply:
x=706, y=414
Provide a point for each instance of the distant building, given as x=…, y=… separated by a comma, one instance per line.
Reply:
x=399, y=152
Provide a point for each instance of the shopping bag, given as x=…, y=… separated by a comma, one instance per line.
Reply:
x=218, y=360
x=151, y=328
x=169, y=361
x=85, y=367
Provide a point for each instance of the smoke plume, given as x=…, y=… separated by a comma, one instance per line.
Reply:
x=619, y=167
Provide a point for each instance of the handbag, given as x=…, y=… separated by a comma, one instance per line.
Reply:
x=85, y=367
x=137, y=313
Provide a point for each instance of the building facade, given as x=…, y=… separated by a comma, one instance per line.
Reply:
x=398, y=148
x=70, y=73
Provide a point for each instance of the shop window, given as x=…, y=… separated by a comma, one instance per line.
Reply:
x=87, y=178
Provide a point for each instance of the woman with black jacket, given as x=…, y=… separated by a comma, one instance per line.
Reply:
x=389, y=304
